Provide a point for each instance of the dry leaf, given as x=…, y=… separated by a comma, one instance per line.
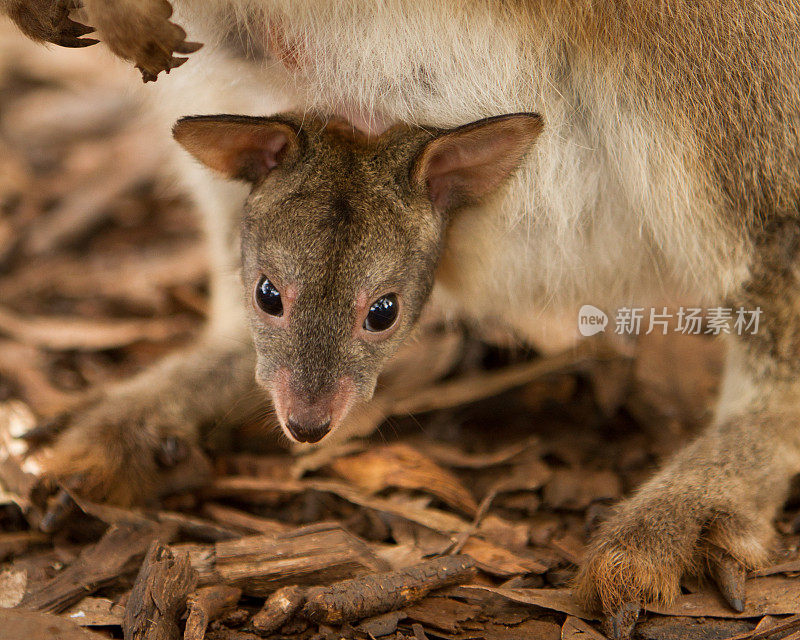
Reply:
x=514, y=535
x=577, y=629
x=403, y=467
x=773, y=595
x=453, y=456
x=555, y=599
x=18, y=542
x=500, y=561
x=528, y=630
x=18, y=623
x=442, y=613
x=27, y=367
x=251, y=489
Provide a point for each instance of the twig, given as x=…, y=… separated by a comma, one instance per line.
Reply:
x=374, y=594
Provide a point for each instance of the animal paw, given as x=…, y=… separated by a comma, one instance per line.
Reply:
x=640, y=554
x=124, y=450
x=142, y=32
x=49, y=21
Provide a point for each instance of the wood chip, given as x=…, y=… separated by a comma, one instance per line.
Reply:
x=159, y=595
x=96, y=612
x=278, y=609
x=97, y=565
x=205, y=605
x=260, y=564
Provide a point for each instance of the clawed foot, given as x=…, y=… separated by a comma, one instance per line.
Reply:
x=120, y=450
x=142, y=32
x=641, y=553
x=49, y=21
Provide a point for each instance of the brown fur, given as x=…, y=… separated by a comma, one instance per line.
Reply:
x=672, y=140
x=48, y=21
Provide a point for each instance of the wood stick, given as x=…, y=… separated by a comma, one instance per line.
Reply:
x=374, y=594
x=159, y=595
x=278, y=609
x=205, y=605
x=319, y=553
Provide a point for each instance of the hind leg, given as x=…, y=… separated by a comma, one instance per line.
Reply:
x=711, y=507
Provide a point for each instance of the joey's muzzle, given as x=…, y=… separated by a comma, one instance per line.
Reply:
x=307, y=417
x=307, y=431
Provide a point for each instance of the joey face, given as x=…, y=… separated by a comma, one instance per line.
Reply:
x=336, y=268
x=340, y=240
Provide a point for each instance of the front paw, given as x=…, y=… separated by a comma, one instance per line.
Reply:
x=640, y=554
x=49, y=21
x=142, y=32
x=127, y=450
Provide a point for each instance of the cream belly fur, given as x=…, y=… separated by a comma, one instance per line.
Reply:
x=607, y=210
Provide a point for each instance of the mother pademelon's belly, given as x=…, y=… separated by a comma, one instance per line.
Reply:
x=610, y=206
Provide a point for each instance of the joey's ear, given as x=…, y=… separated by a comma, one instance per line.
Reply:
x=239, y=147
x=463, y=165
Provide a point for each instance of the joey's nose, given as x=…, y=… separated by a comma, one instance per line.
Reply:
x=307, y=431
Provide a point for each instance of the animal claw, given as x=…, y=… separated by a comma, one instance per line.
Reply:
x=61, y=507
x=77, y=29
x=620, y=625
x=176, y=62
x=730, y=576
x=188, y=47
x=71, y=42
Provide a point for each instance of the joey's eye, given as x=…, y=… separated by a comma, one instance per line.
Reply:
x=268, y=297
x=382, y=313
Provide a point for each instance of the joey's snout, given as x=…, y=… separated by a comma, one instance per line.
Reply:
x=309, y=416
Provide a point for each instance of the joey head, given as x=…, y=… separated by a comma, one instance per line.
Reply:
x=340, y=240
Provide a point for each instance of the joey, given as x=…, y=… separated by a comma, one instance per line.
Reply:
x=340, y=241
